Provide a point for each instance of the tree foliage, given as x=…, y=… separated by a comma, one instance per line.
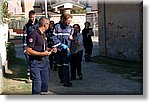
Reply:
x=4, y=11
x=79, y=11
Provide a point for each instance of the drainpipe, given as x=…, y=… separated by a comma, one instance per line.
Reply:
x=105, y=42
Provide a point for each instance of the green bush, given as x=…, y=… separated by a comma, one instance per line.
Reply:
x=79, y=11
x=4, y=14
x=11, y=53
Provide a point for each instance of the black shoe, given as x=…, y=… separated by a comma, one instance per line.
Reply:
x=89, y=60
x=80, y=77
x=73, y=78
x=69, y=84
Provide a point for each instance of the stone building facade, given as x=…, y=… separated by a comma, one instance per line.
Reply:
x=121, y=30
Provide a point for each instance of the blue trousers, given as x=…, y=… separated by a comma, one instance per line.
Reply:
x=40, y=75
x=63, y=66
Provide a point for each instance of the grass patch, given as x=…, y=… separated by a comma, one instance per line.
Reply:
x=19, y=69
x=129, y=70
x=15, y=84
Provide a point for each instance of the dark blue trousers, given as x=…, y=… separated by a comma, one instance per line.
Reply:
x=39, y=75
x=63, y=66
x=76, y=65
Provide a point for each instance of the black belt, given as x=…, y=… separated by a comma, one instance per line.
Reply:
x=37, y=58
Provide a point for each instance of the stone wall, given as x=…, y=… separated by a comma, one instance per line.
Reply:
x=121, y=30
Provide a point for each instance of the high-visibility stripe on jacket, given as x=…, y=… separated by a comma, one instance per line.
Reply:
x=63, y=33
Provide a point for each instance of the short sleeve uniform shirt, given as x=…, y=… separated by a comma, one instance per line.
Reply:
x=37, y=41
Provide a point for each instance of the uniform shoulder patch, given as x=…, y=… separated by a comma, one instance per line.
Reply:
x=69, y=30
x=30, y=40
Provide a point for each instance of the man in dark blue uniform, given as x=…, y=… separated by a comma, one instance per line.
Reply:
x=31, y=25
x=63, y=31
x=51, y=41
x=38, y=57
x=27, y=30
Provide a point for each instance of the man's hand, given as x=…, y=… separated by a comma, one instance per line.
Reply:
x=54, y=50
x=32, y=52
x=90, y=33
x=46, y=53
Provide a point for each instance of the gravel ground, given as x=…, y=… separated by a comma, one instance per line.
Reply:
x=96, y=81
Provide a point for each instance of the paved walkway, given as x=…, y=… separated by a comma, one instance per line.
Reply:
x=96, y=80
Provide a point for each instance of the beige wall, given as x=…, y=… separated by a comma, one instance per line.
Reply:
x=14, y=6
x=3, y=51
x=93, y=3
x=77, y=19
x=28, y=4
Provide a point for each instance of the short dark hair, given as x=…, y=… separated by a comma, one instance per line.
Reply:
x=42, y=21
x=32, y=12
x=87, y=23
x=77, y=26
x=51, y=22
x=65, y=16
